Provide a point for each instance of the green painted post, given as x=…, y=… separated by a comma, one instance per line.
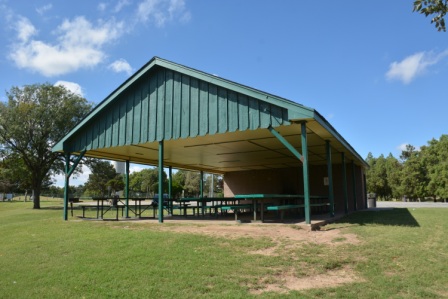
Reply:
x=330, y=177
x=306, y=183
x=161, y=181
x=355, y=201
x=201, y=188
x=365, y=190
x=126, y=189
x=66, y=185
x=170, y=189
x=68, y=172
x=344, y=182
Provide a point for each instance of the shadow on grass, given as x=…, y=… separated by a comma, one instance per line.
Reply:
x=393, y=217
x=52, y=208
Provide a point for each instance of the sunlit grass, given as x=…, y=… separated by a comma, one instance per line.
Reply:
x=401, y=254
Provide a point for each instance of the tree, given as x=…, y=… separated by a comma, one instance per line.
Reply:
x=102, y=173
x=217, y=184
x=146, y=181
x=414, y=179
x=393, y=171
x=384, y=176
x=32, y=121
x=192, y=183
x=439, y=8
x=117, y=183
x=436, y=162
x=178, y=183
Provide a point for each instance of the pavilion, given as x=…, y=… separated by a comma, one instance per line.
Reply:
x=170, y=115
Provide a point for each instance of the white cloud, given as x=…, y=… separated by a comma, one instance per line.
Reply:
x=413, y=66
x=25, y=30
x=136, y=168
x=41, y=10
x=121, y=65
x=163, y=11
x=75, y=180
x=102, y=6
x=71, y=86
x=121, y=4
x=79, y=45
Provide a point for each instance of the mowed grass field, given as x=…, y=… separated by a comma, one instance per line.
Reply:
x=398, y=253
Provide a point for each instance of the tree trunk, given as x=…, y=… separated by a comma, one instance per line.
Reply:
x=36, y=198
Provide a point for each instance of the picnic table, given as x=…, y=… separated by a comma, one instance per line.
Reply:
x=201, y=203
x=262, y=198
x=108, y=203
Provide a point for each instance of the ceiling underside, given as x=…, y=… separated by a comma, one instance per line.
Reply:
x=236, y=151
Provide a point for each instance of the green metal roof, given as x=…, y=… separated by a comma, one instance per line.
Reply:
x=197, y=114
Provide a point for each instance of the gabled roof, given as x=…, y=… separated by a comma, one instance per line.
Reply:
x=198, y=114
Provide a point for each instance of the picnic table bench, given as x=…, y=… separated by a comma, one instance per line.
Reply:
x=102, y=211
x=282, y=208
x=202, y=204
x=236, y=208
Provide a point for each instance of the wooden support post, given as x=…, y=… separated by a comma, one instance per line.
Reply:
x=126, y=190
x=170, y=189
x=66, y=184
x=330, y=177
x=201, y=188
x=306, y=182
x=344, y=183
x=68, y=172
x=160, y=181
x=355, y=201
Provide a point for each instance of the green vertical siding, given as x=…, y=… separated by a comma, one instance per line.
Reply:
x=212, y=109
x=165, y=104
x=169, y=84
x=194, y=107
x=203, y=108
x=185, y=110
x=177, y=105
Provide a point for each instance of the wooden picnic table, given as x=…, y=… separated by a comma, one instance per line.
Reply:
x=204, y=200
x=107, y=203
x=261, y=197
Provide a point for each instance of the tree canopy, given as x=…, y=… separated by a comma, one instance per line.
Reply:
x=420, y=174
x=33, y=119
x=438, y=8
x=103, y=179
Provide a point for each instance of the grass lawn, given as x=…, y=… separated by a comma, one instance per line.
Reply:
x=399, y=253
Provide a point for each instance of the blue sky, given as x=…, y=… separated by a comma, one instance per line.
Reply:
x=374, y=69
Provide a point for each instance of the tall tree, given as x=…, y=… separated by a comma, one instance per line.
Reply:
x=436, y=162
x=414, y=179
x=33, y=119
x=439, y=8
x=179, y=183
x=102, y=173
x=393, y=172
x=192, y=183
x=377, y=177
x=146, y=181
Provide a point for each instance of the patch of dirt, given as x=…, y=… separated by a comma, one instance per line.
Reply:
x=287, y=281
x=281, y=232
